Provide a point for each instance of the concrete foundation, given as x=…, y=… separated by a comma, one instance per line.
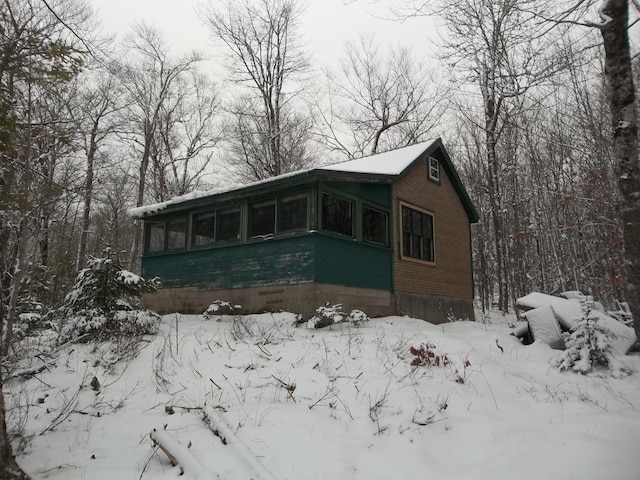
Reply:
x=302, y=298
x=305, y=298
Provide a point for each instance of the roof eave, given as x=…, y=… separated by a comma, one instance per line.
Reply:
x=304, y=177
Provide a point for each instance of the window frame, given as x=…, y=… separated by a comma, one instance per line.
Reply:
x=421, y=211
x=353, y=214
x=168, y=234
x=279, y=214
x=251, y=227
x=433, y=170
x=220, y=212
x=367, y=206
x=149, y=228
x=194, y=232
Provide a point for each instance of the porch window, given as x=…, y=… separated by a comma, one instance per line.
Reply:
x=262, y=219
x=417, y=234
x=176, y=234
x=374, y=226
x=337, y=214
x=156, y=237
x=292, y=213
x=203, y=229
x=228, y=225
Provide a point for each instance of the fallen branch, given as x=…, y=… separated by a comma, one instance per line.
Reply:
x=180, y=455
x=228, y=437
x=30, y=372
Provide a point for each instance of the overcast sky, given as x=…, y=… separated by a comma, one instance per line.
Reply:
x=327, y=24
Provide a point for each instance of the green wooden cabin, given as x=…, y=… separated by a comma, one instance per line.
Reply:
x=388, y=234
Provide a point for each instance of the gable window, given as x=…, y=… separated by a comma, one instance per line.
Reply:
x=434, y=170
x=417, y=234
x=228, y=225
x=374, y=226
x=292, y=213
x=337, y=214
x=262, y=218
x=156, y=237
x=176, y=234
x=203, y=230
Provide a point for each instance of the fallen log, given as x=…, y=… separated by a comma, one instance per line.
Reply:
x=180, y=455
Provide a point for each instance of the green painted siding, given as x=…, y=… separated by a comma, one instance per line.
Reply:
x=279, y=261
x=342, y=261
x=270, y=262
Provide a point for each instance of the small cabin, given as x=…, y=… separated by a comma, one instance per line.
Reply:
x=388, y=234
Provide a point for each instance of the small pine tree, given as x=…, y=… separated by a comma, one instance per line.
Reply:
x=103, y=303
x=588, y=344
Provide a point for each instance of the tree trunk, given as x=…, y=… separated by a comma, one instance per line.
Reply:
x=88, y=196
x=619, y=75
x=491, y=115
x=9, y=468
x=138, y=224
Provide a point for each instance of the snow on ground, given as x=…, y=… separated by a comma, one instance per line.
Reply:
x=344, y=403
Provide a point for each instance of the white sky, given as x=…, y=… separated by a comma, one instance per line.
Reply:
x=327, y=24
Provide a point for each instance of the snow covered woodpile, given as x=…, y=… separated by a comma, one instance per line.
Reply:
x=549, y=316
x=544, y=327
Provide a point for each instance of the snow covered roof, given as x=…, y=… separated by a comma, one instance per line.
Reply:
x=393, y=162
x=386, y=165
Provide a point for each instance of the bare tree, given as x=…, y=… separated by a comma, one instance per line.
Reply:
x=266, y=59
x=186, y=137
x=500, y=46
x=381, y=98
x=152, y=80
x=252, y=155
x=98, y=102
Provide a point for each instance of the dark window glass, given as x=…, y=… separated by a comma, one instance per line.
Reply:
x=228, y=225
x=374, y=226
x=263, y=219
x=176, y=234
x=156, y=237
x=417, y=234
x=203, y=229
x=337, y=215
x=292, y=214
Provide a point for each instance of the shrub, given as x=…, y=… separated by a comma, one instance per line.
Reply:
x=104, y=303
x=425, y=355
x=221, y=307
x=328, y=315
x=358, y=317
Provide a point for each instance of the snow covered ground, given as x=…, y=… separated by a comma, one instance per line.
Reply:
x=340, y=403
